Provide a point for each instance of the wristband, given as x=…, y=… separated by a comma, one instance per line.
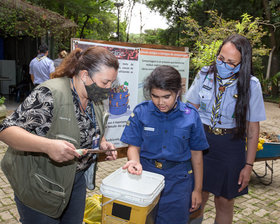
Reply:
x=249, y=164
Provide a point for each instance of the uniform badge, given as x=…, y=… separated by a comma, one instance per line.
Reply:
x=187, y=111
x=203, y=106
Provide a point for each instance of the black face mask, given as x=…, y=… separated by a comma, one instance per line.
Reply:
x=96, y=93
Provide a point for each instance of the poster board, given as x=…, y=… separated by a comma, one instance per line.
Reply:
x=136, y=62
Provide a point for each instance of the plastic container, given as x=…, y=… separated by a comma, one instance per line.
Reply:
x=128, y=198
x=270, y=150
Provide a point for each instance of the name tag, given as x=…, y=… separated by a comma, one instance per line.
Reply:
x=206, y=87
x=149, y=129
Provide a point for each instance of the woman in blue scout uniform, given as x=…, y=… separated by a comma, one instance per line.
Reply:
x=163, y=135
x=230, y=103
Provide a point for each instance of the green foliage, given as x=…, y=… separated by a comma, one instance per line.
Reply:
x=95, y=20
x=2, y=100
x=207, y=53
x=206, y=40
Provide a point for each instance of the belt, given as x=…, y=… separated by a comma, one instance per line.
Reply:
x=166, y=164
x=219, y=131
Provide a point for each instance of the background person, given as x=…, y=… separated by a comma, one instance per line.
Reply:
x=41, y=66
x=166, y=136
x=61, y=115
x=61, y=56
x=230, y=103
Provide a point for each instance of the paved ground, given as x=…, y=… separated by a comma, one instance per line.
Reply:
x=260, y=206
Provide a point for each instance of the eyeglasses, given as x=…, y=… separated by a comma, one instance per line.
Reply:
x=228, y=65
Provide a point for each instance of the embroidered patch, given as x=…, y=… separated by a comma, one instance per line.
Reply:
x=187, y=111
x=206, y=87
x=203, y=106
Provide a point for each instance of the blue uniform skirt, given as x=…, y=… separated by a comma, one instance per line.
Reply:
x=175, y=199
x=222, y=164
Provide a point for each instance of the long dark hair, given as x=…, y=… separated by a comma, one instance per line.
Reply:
x=243, y=45
x=163, y=77
x=91, y=59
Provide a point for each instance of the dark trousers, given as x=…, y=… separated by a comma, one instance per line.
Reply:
x=175, y=199
x=73, y=214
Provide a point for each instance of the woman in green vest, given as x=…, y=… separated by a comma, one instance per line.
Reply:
x=42, y=163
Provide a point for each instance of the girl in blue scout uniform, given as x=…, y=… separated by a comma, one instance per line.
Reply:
x=230, y=103
x=163, y=135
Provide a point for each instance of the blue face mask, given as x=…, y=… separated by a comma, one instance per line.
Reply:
x=223, y=70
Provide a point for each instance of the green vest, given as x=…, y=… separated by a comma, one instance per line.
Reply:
x=39, y=182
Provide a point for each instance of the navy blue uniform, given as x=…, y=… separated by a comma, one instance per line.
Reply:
x=168, y=138
x=226, y=156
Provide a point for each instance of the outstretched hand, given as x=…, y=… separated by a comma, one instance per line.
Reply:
x=133, y=167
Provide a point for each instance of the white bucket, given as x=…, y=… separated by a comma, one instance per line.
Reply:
x=140, y=190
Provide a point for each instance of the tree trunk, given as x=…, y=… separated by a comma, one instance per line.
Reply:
x=275, y=66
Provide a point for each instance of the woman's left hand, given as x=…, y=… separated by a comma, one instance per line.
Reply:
x=111, y=155
x=244, y=177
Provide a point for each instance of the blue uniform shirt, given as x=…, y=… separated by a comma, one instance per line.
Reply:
x=166, y=136
x=41, y=67
x=202, y=93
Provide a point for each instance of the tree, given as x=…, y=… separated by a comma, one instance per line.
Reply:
x=95, y=19
x=173, y=10
x=206, y=40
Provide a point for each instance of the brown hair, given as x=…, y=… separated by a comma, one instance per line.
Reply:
x=91, y=59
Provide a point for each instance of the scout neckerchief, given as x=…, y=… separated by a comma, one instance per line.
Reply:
x=218, y=100
x=40, y=57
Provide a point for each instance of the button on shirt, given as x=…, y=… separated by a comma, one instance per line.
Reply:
x=41, y=67
x=202, y=93
x=167, y=136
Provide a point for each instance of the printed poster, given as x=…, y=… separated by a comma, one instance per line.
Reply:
x=152, y=58
x=123, y=97
x=135, y=65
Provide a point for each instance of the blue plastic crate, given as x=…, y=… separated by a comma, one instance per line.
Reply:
x=270, y=150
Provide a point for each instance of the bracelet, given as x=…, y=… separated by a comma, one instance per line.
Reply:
x=249, y=164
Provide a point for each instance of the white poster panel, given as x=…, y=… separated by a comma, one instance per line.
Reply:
x=123, y=96
x=152, y=58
